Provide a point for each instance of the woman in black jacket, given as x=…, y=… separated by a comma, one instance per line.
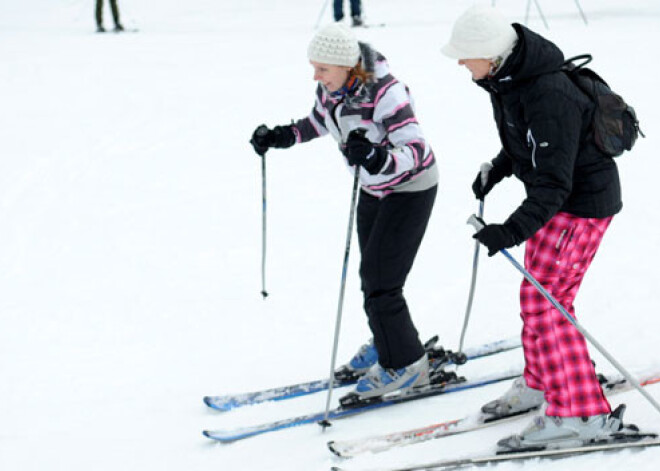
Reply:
x=572, y=193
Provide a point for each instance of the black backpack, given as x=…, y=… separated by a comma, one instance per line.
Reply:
x=615, y=124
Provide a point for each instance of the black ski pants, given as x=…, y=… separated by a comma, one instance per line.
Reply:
x=390, y=231
x=99, y=12
x=339, y=9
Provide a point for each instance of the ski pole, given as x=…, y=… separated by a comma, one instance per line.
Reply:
x=331, y=381
x=473, y=282
x=318, y=21
x=264, y=293
x=262, y=131
x=579, y=7
x=485, y=168
x=478, y=225
x=538, y=8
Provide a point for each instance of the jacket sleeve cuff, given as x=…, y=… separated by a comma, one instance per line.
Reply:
x=516, y=232
x=502, y=166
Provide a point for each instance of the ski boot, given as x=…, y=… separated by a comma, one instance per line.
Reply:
x=552, y=433
x=519, y=399
x=365, y=358
x=379, y=381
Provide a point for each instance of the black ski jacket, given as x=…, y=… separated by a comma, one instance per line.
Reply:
x=544, y=122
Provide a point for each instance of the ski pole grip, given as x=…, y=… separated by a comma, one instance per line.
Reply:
x=484, y=170
x=361, y=132
x=475, y=222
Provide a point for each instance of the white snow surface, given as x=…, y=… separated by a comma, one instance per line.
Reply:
x=130, y=231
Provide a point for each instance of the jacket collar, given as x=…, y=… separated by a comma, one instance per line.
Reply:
x=532, y=56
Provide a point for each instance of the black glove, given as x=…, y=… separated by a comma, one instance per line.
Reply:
x=264, y=138
x=496, y=237
x=487, y=178
x=362, y=152
x=483, y=184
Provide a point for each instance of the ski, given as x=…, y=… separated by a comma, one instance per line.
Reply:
x=371, y=25
x=375, y=444
x=644, y=442
x=228, y=402
x=346, y=411
x=112, y=31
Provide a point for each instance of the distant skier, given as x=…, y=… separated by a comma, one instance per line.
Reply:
x=356, y=11
x=573, y=191
x=115, y=15
x=398, y=179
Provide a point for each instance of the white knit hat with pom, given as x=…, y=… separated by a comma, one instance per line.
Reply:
x=334, y=44
x=480, y=33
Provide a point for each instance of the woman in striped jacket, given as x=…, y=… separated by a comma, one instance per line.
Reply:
x=370, y=115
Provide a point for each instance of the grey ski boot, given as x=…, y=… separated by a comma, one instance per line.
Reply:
x=551, y=433
x=519, y=399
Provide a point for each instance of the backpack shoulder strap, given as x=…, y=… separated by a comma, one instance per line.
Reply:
x=570, y=64
x=582, y=76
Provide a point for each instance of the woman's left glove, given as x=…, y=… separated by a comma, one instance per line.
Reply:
x=362, y=152
x=496, y=237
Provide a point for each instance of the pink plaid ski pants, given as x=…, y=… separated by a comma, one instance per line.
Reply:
x=556, y=357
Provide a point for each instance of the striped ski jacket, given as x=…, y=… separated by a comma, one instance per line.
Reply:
x=384, y=107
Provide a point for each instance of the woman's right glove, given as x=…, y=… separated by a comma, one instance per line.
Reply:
x=487, y=178
x=496, y=237
x=280, y=137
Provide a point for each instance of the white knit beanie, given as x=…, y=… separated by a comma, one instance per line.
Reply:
x=480, y=33
x=335, y=44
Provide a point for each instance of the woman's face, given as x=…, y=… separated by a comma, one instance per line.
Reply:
x=480, y=68
x=332, y=76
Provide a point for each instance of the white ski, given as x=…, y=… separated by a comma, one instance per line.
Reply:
x=379, y=443
x=548, y=454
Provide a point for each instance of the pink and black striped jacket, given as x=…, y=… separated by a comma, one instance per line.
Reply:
x=383, y=107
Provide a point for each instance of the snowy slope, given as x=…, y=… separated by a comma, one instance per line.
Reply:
x=130, y=230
